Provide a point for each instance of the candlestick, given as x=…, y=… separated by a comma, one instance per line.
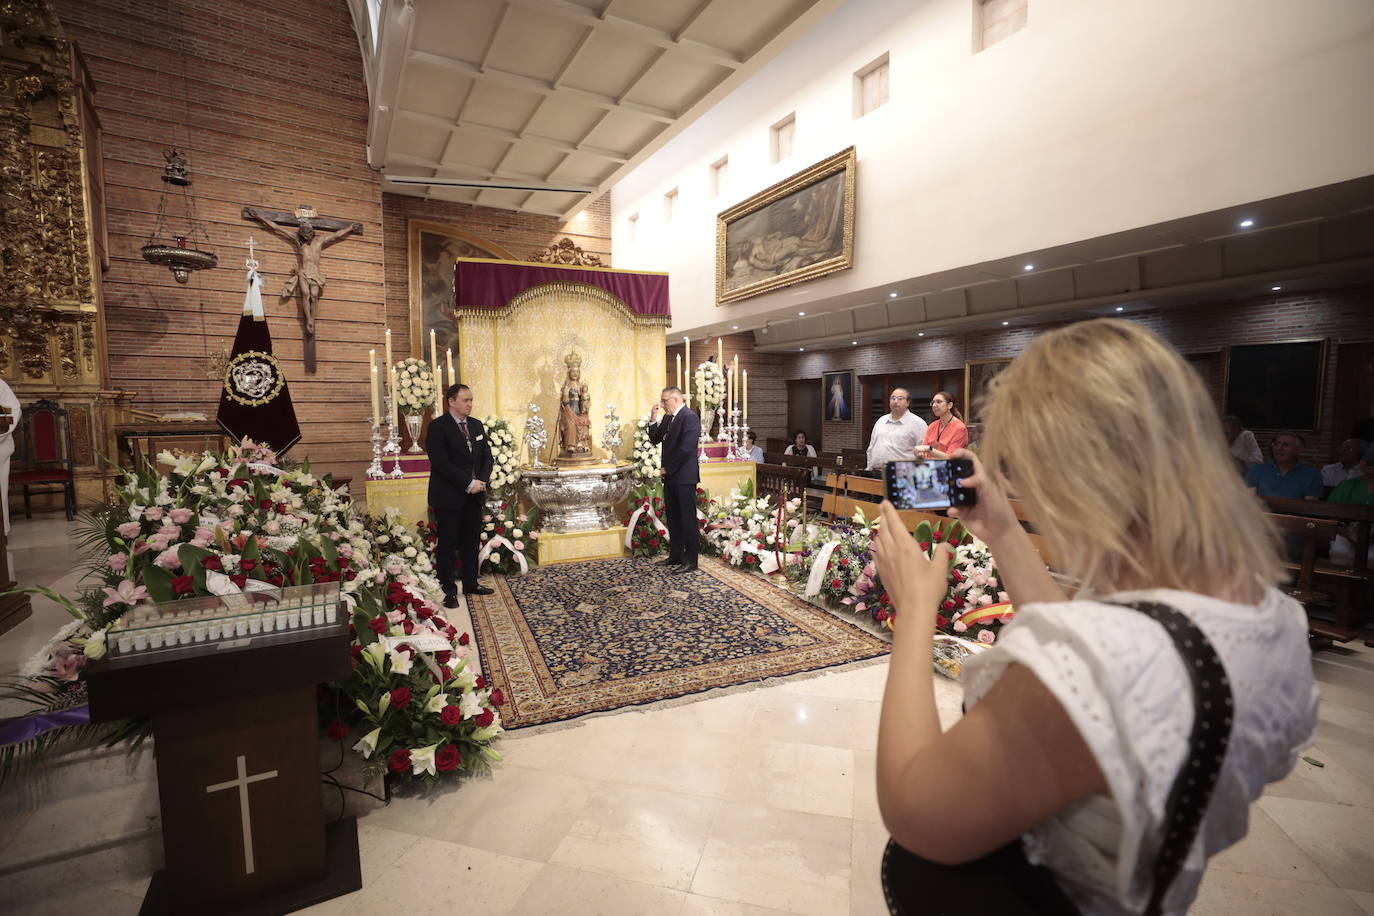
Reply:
x=449, y=356
x=434, y=365
x=372, y=387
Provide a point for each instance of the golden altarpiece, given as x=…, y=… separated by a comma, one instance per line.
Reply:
x=52, y=238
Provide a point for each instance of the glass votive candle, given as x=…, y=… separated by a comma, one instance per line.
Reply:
x=319, y=615
x=269, y=622
x=200, y=630
x=213, y=629
x=126, y=644
x=240, y=627
x=281, y=620
x=255, y=625
x=140, y=640
x=293, y=617
x=155, y=637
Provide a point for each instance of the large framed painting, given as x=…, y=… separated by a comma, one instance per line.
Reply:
x=1276, y=385
x=432, y=249
x=798, y=229
x=978, y=374
x=837, y=396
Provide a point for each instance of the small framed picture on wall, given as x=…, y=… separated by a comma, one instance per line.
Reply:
x=837, y=396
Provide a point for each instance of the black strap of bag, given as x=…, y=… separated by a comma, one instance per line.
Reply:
x=913, y=885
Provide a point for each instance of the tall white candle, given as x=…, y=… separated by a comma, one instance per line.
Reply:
x=687, y=345
x=679, y=371
x=395, y=401
x=734, y=381
x=372, y=387
x=434, y=367
x=449, y=357
x=746, y=394
x=388, y=350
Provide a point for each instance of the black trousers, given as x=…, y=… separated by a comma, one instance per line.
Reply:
x=459, y=530
x=680, y=500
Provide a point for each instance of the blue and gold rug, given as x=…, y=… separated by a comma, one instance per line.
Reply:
x=577, y=638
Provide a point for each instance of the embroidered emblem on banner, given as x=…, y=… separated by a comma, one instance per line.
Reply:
x=253, y=378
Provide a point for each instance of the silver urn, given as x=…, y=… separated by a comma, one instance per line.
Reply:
x=577, y=499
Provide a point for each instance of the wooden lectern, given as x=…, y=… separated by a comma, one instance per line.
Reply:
x=237, y=744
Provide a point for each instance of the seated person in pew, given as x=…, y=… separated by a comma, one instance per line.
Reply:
x=1346, y=465
x=1286, y=475
x=1079, y=719
x=1356, y=491
x=800, y=446
x=755, y=450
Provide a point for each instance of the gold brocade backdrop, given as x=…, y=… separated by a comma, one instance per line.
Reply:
x=514, y=356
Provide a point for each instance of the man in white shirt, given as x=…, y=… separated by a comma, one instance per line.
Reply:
x=896, y=434
x=1346, y=465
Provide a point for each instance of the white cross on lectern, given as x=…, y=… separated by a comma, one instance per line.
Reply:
x=242, y=784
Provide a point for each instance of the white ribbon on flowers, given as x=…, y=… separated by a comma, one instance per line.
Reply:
x=252, y=299
x=499, y=540
x=220, y=585
x=818, y=568
x=263, y=468
x=768, y=558
x=634, y=520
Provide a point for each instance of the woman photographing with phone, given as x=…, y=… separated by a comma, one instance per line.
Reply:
x=1113, y=740
x=947, y=433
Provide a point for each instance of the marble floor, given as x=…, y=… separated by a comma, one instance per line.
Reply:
x=744, y=804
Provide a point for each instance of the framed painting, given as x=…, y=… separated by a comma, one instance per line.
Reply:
x=1276, y=385
x=432, y=249
x=799, y=229
x=837, y=396
x=978, y=374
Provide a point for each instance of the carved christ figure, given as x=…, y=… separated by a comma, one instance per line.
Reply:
x=574, y=418
x=307, y=281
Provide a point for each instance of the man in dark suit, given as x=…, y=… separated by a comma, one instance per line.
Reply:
x=678, y=431
x=459, y=472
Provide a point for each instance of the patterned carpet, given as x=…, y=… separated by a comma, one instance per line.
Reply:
x=571, y=639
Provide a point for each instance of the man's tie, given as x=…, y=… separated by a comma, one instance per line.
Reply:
x=467, y=437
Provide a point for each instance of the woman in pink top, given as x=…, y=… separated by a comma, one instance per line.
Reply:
x=947, y=433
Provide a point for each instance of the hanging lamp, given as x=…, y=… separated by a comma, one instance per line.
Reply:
x=177, y=251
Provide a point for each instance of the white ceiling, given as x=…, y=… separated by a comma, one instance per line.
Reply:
x=556, y=97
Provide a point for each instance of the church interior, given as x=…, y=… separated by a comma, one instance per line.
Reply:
x=222, y=604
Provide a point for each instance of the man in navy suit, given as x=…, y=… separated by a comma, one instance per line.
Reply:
x=678, y=431
x=459, y=472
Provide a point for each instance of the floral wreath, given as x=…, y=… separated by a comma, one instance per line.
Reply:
x=253, y=378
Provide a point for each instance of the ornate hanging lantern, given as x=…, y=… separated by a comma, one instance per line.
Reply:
x=177, y=251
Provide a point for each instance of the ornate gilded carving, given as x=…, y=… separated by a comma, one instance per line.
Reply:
x=565, y=252
x=83, y=449
x=88, y=350
x=67, y=353
x=45, y=267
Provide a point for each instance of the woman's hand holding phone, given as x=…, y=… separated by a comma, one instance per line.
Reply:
x=992, y=517
x=915, y=584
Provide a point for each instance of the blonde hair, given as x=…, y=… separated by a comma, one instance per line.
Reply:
x=1115, y=446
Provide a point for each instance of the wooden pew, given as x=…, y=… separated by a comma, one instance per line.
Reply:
x=1346, y=582
x=781, y=482
x=1315, y=532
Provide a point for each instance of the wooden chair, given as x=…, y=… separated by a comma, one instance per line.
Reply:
x=43, y=455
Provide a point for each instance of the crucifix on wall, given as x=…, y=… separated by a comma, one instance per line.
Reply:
x=312, y=234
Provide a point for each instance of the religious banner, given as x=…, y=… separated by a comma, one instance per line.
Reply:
x=255, y=401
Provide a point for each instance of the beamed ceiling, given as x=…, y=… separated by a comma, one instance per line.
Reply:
x=541, y=105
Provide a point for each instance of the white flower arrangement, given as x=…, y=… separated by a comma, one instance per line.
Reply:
x=648, y=458
x=414, y=385
x=710, y=384
x=505, y=454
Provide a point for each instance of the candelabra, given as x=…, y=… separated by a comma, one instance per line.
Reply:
x=720, y=424
x=374, y=470
x=535, y=436
x=392, y=448
x=740, y=427
x=610, y=436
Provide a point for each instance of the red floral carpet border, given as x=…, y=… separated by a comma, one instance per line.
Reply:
x=568, y=640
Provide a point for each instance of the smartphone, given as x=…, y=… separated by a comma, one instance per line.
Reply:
x=932, y=484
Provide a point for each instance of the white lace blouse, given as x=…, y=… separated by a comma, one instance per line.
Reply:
x=1118, y=676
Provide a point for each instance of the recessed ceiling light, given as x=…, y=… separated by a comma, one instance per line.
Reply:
x=1005, y=323
x=892, y=295
x=1029, y=267
x=1121, y=308
x=734, y=327
x=920, y=333
x=803, y=349
x=1246, y=223
x=801, y=314
x=1276, y=288
x=854, y=343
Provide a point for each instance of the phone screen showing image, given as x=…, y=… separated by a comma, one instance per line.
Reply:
x=927, y=484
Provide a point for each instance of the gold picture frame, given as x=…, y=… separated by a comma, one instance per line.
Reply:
x=799, y=229
x=978, y=374
x=431, y=250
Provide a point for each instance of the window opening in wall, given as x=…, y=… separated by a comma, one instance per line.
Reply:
x=997, y=19
x=780, y=137
x=720, y=170
x=669, y=205
x=870, y=87
x=633, y=224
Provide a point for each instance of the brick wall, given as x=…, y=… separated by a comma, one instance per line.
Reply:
x=522, y=234
x=273, y=120
x=1200, y=332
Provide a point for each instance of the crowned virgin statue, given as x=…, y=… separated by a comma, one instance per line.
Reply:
x=574, y=416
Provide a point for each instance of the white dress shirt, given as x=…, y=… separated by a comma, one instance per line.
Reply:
x=1335, y=473
x=894, y=439
x=1247, y=449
